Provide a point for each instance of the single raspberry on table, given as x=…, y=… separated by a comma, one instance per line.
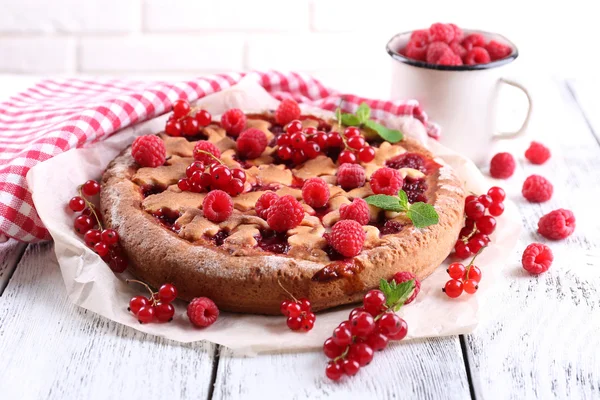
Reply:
x=285, y=213
x=386, y=181
x=347, y=237
x=439, y=32
x=206, y=146
x=315, y=192
x=557, y=224
x=350, y=176
x=404, y=276
x=477, y=55
x=217, y=206
x=416, y=50
x=233, y=121
x=436, y=50
x=502, y=166
x=264, y=202
x=287, y=111
x=497, y=50
x=537, y=189
x=149, y=151
x=251, y=143
x=537, y=258
x=473, y=40
x=202, y=312
x=358, y=211
x=537, y=153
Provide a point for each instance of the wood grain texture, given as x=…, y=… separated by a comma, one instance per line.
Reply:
x=430, y=369
x=52, y=349
x=585, y=94
x=542, y=334
x=10, y=254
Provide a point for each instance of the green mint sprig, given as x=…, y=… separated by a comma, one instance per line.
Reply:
x=362, y=118
x=421, y=214
x=396, y=294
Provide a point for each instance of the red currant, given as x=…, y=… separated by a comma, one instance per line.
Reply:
x=473, y=273
x=351, y=131
x=294, y=323
x=350, y=367
x=117, y=263
x=297, y=140
x=203, y=117
x=361, y=352
x=283, y=307
x=334, y=371
x=476, y=243
x=305, y=305
x=342, y=336
x=284, y=140
x=321, y=139
x=110, y=236
x=462, y=250
x=334, y=140
x=237, y=173
x=183, y=184
x=374, y=302
x=205, y=180
x=92, y=237
x=470, y=286
x=167, y=293
x=298, y=157
x=486, y=225
x=101, y=249
x=496, y=209
x=77, y=204
x=456, y=270
x=485, y=200
x=164, y=312
x=83, y=223
x=90, y=188
x=284, y=152
x=497, y=194
x=310, y=130
x=196, y=166
x=173, y=128
x=235, y=187
x=138, y=302
x=190, y=126
x=389, y=323
x=366, y=154
x=453, y=288
x=331, y=349
x=308, y=323
x=356, y=142
x=294, y=127
x=181, y=108
x=293, y=309
x=312, y=149
x=377, y=340
x=470, y=198
x=347, y=156
x=220, y=176
x=145, y=314
x=474, y=209
x=401, y=334
x=362, y=324
x=353, y=313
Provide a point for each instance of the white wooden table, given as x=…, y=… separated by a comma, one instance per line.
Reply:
x=540, y=337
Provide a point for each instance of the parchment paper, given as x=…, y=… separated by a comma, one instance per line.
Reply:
x=92, y=285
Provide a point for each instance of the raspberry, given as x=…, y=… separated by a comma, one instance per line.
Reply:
x=537, y=153
x=477, y=55
x=420, y=37
x=557, y=224
x=497, y=50
x=502, y=166
x=473, y=40
x=537, y=258
x=439, y=32
x=285, y=213
x=149, y=151
x=233, y=121
x=537, y=189
x=217, y=206
x=416, y=51
x=251, y=143
x=350, y=176
x=408, y=160
x=436, y=50
x=449, y=58
x=203, y=145
x=458, y=49
x=386, y=181
x=358, y=211
x=405, y=276
x=287, y=111
x=263, y=203
x=202, y=312
x=347, y=237
x=458, y=33
x=315, y=192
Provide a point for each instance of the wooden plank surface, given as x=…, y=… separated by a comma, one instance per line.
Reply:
x=542, y=334
x=10, y=254
x=429, y=369
x=52, y=349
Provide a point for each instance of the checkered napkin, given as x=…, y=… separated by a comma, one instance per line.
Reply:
x=60, y=114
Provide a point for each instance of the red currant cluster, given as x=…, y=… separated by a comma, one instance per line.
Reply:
x=156, y=307
x=368, y=329
x=216, y=176
x=105, y=242
x=185, y=120
x=298, y=144
x=299, y=314
x=478, y=226
x=463, y=278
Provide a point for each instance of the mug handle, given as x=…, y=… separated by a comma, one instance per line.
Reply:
x=523, y=128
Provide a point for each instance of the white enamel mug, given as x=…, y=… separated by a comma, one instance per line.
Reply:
x=462, y=99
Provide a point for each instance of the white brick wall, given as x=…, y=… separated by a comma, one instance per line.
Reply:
x=342, y=40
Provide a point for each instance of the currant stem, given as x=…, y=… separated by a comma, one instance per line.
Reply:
x=211, y=155
x=465, y=239
x=287, y=291
x=90, y=205
x=473, y=260
x=146, y=286
x=343, y=355
x=193, y=110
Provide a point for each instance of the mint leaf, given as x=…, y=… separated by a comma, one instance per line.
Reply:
x=363, y=113
x=403, y=199
x=396, y=294
x=385, y=202
x=422, y=215
x=350, y=120
x=391, y=135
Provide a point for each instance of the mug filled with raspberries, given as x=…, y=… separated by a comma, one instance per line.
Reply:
x=456, y=75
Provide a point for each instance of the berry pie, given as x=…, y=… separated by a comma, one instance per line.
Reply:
x=243, y=208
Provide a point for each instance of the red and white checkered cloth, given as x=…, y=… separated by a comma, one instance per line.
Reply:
x=60, y=114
